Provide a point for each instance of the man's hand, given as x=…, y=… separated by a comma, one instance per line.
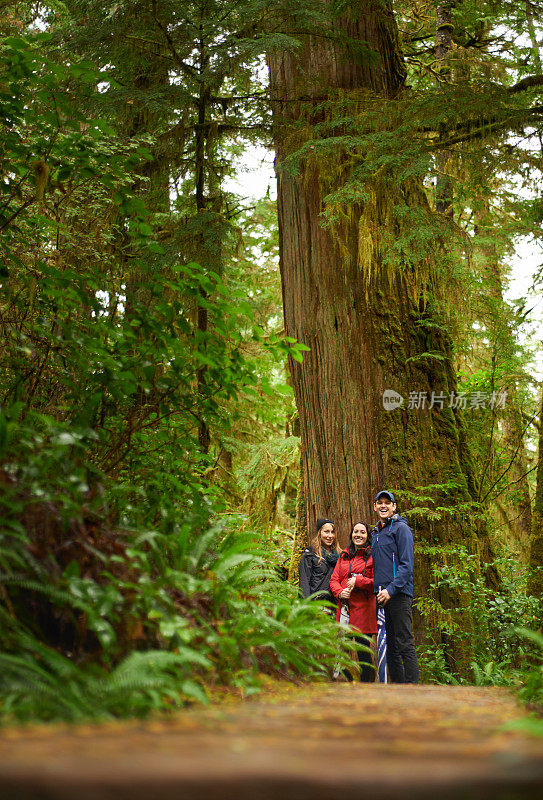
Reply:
x=383, y=597
x=345, y=593
x=351, y=582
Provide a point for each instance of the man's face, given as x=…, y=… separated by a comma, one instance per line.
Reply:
x=384, y=507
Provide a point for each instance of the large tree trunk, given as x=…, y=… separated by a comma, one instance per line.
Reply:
x=369, y=327
x=324, y=292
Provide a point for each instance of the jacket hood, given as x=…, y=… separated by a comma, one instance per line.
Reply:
x=397, y=518
x=393, y=518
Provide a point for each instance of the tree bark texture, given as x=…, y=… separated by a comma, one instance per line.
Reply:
x=535, y=580
x=301, y=539
x=324, y=298
x=444, y=159
x=519, y=505
x=369, y=328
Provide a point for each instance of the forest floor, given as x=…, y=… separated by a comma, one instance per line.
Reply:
x=310, y=742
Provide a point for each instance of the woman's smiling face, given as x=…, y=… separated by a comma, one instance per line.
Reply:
x=359, y=535
x=328, y=536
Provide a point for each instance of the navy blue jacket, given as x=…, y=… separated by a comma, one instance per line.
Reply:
x=393, y=552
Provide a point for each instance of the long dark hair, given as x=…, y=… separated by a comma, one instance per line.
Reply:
x=351, y=549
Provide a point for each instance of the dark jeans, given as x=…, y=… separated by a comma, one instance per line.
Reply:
x=403, y=666
x=367, y=672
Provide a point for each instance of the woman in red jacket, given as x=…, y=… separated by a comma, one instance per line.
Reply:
x=352, y=584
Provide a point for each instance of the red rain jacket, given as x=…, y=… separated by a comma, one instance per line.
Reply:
x=362, y=600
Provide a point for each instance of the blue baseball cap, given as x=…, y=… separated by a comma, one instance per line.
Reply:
x=387, y=494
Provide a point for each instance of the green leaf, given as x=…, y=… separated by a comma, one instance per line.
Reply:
x=192, y=689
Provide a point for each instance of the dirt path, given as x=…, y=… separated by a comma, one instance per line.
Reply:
x=319, y=743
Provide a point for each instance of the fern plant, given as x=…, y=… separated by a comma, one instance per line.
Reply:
x=208, y=611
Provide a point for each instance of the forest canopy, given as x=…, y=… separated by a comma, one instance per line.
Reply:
x=191, y=376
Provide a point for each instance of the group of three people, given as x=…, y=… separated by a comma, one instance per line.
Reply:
x=375, y=569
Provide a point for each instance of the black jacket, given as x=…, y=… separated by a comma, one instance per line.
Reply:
x=315, y=573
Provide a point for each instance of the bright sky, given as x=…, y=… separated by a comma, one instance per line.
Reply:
x=525, y=263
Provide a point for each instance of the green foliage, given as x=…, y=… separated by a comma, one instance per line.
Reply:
x=119, y=127
x=532, y=689
x=500, y=649
x=265, y=475
x=201, y=609
x=116, y=596
x=50, y=148
x=43, y=685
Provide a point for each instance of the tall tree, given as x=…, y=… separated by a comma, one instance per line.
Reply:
x=364, y=293
x=535, y=580
x=494, y=361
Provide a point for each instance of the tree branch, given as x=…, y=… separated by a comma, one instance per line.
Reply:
x=513, y=457
x=526, y=83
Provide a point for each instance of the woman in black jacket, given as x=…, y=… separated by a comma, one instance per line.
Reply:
x=317, y=565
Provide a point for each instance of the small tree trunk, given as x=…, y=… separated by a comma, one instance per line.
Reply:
x=519, y=507
x=516, y=503
x=301, y=538
x=535, y=580
x=444, y=159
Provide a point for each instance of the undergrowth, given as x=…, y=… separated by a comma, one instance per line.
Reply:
x=192, y=611
x=505, y=645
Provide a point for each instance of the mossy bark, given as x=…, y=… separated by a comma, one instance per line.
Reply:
x=519, y=509
x=369, y=327
x=148, y=75
x=444, y=160
x=535, y=581
x=301, y=538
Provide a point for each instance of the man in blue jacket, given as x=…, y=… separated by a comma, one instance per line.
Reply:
x=393, y=560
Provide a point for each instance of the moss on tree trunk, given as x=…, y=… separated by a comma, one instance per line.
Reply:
x=371, y=326
x=535, y=581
